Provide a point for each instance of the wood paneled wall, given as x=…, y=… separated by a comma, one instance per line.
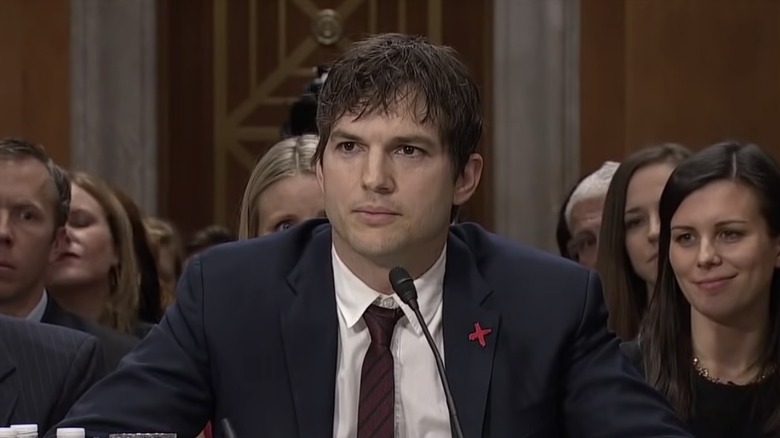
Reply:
x=186, y=112
x=689, y=71
x=35, y=73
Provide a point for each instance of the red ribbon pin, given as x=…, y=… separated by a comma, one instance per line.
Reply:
x=479, y=334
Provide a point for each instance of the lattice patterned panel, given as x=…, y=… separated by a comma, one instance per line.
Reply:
x=264, y=51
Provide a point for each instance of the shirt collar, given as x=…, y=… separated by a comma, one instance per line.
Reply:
x=36, y=314
x=353, y=296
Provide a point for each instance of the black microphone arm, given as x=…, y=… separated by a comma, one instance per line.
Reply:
x=403, y=286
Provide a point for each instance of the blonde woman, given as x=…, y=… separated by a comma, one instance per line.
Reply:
x=96, y=276
x=282, y=189
x=166, y=246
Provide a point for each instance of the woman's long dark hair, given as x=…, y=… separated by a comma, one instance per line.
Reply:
x=665, y=339
x=624, y=291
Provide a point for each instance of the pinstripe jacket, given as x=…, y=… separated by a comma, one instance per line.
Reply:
x=44, y=369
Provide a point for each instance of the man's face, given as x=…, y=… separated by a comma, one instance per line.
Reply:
x=28, y=241
x=388, y=184
x=585, y=224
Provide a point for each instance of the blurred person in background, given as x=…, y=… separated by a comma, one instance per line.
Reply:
x=205, y=238
x=582, y=213
x=166, y=246
x=96, y=276
x=150, y=297
x=302, y=119
x=282, y=189
x=629, y=234
x=562, y=233
x=35, y=199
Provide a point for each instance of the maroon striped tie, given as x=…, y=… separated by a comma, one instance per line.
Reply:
x=377, y=383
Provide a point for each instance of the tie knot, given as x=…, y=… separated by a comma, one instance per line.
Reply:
x=381, y=323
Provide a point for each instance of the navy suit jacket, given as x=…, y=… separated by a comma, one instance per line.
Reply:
x=115, y=345
x=43, y=371
x=253, y=337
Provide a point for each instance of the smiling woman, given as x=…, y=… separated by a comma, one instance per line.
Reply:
x=710, y=337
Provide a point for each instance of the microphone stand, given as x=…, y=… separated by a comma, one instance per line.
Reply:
x=403, y=286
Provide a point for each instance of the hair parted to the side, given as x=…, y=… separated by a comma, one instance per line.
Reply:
x=378, y=73
x=207, y=237
x=665, y=336
x=625, y=293
x=291, y=156
x=14, y=148
x=121, y=308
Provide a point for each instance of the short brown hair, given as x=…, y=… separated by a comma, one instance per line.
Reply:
x=377, y=73
x=207, y=237
x=14, y=148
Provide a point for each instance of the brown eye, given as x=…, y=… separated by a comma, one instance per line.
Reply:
x=347, y=146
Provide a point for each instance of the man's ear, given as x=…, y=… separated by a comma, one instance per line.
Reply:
x=318, y=172
x=59, y=244
x=468, y=180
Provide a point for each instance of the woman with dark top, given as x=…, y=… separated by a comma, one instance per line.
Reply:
x=710, y=341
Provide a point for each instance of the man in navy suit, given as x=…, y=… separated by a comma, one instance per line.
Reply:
x=299, y=334
x=43, y=371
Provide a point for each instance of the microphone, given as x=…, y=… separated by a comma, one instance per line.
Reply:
x=403, y=286
x=227, y=429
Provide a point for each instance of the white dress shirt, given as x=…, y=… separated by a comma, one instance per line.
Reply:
x=420, y=405
x=36, y=314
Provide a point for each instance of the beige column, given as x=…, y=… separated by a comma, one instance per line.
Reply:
x=536, y=115
x=113, y=94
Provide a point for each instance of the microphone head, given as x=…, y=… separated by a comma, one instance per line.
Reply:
x=403, y=284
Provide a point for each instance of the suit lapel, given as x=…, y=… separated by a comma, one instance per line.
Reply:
x=9, y=387
x=310, y=335
x=53, y=312
x=469, y=364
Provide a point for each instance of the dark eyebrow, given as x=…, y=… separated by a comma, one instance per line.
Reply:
x=633, y=210
x=414, y=140
x=27, y=204
x=338, y=133
x=730, y=222
x=410, y=139
x=720, y=224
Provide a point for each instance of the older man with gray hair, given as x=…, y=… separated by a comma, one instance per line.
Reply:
x=583, y=213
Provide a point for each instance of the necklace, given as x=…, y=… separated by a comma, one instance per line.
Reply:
x=704, y=372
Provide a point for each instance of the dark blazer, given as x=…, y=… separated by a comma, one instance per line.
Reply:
x=115, y=345
x=253, y=336
x=43, y=371
x=634, y=354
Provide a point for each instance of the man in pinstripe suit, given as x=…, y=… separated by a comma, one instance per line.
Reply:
x=44, y=369
x=34, y=209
